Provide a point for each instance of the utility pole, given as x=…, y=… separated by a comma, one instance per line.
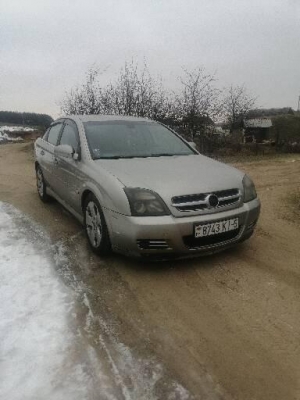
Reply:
x=298, y=104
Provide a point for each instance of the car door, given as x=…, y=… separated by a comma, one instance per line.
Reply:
x=68, y=173
x=45, y=153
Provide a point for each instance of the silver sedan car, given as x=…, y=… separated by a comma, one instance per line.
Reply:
x=142, y=190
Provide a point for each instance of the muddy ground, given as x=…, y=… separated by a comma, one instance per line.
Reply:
x=223, y=327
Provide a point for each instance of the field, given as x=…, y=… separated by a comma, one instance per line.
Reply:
x=224, y=326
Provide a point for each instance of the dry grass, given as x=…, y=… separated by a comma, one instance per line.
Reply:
x=290, y=209
x=241, y=159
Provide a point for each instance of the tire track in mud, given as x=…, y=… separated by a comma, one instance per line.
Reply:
x=137, y=368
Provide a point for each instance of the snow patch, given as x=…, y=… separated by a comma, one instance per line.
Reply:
x=41, y=357
x=5, y=130
x=5, y=138
x=43, y=353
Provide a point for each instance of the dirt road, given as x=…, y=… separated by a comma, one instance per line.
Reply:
x=222, y=327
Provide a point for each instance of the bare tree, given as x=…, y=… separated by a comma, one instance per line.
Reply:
x=198, y=103
x=134, y=92
x=125, y=90
x=137, y=93
x=237, y=102
x=85, y=99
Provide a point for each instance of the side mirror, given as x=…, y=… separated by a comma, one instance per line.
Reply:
x=64, y=150
x=193, y=145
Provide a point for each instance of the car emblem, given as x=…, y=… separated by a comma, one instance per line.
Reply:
x=212, y=200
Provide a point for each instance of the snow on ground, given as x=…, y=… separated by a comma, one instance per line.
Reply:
x=4, y=137
x=136, y=377
x=4, y=132
x=38, y=352
x=6, y=128
x=43, y=351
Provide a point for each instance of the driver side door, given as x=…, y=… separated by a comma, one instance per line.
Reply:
x=69, y=176
x=45, y=153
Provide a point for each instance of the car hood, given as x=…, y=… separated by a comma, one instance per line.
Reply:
x=175, y=175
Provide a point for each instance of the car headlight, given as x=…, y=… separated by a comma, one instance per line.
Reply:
x=145, y=203
x=249, y=189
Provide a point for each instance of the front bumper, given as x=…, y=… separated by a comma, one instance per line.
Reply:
x=167, y=235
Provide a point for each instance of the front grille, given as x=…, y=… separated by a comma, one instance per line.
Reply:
x=199, y=202
x=195, y=243
x=151, y=244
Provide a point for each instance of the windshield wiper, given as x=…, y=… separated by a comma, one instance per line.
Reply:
x=165, y=155
x=113, y=157
x=140, y=156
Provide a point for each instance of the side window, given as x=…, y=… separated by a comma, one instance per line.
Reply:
x=45, y=136
x=70, y=137
x=54, y=133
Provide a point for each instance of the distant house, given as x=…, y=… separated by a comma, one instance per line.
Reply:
x=220, y=130
x=257, y=129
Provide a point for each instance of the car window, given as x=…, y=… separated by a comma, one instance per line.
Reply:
x=45, y=136
x=70, y=137
x=123, y=139
x=53, y=134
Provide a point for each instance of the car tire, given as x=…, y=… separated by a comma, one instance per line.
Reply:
x=41, y=185
x=95, y=226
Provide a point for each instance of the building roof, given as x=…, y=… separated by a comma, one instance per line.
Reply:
x=258, y=123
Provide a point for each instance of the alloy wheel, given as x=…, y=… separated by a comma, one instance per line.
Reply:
x=93, y=223
x=40, y=182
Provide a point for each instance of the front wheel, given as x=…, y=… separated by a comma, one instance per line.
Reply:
x=41, y=185
x=95, y=226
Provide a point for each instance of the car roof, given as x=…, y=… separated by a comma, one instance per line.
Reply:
x=95, y=118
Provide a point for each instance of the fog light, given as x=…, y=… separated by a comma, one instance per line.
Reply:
x=153, y=244
x=252, y=225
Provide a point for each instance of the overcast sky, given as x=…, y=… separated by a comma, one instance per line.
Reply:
x=46, y=46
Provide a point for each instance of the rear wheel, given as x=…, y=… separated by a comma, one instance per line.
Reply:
x=41, y=185
x=95, y=226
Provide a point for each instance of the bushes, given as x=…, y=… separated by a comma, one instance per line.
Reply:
x=293, y=147
x=286, y=128
x=217, y=146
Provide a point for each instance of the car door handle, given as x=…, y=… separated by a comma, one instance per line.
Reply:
x=42, y=152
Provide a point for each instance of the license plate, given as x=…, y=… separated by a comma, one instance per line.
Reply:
x=215, y=228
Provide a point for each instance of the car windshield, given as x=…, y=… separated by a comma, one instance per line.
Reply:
x=128, y=139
